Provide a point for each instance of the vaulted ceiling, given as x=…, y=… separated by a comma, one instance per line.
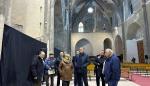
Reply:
x=106, y=5
x=104, y=8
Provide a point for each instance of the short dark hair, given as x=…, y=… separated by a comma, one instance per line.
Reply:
x=51, y=54
x=62, y=51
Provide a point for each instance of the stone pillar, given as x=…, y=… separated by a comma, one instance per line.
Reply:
x=123, y=35
x=146, y=30
x=46, y=29
x=2, y=8
x=50, y=24
x=1, y=31
x=67, y=30
x=8, y=8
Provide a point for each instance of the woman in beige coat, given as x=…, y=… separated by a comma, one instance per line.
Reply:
x=66, y=69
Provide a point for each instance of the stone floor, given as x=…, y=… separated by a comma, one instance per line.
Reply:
x=122, y=82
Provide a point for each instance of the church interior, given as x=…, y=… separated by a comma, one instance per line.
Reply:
x=67, y=25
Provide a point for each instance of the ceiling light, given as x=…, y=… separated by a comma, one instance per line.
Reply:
x=90, y=10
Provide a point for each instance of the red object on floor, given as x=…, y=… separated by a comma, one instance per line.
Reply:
x=141, y=80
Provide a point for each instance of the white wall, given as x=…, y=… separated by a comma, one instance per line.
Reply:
x=132, y=50
x=96, y=40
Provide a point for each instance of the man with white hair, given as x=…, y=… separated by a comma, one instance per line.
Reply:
x=111, y=68
x=37, y=68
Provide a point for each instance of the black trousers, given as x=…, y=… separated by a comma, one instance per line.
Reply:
x=98, y=79
x=65, y=83
x=51, y=77
x=75, y=79
x=82, y=77
x=58, y=79
x=37, y=83
x=113, y=83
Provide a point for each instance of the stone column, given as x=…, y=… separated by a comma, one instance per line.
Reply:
x=67, y=30
x=1, y=31
x=46, y=31
x=146, y=30
x=1, y=23
x=123, y=35
x=8, y=8
x=50, y=24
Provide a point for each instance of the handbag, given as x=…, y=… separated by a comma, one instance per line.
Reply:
x=51, y=71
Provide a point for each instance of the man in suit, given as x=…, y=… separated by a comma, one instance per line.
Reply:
x=111, y=68
x=82, y=62
x=99, y=60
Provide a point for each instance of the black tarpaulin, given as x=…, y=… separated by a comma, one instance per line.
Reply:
x=17, y=53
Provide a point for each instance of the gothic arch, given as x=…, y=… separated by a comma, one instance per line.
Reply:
x=86, y=45
x=107, y=43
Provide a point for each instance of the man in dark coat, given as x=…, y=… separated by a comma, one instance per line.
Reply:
x=37, y=69
x=111, y=68
x=99, y=60
x=75, y=66
x=58, y=60
x=81, y=68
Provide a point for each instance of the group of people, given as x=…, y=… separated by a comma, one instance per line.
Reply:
x=107, y=67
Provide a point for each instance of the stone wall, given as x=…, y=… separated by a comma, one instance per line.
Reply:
x=96, y=40
x=29, y=17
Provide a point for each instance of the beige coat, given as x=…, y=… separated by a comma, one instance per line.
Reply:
x=66, y=70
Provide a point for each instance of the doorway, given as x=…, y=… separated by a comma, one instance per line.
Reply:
x=140, y=46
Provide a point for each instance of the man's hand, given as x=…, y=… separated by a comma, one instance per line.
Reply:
x=94, y=73
x=35, y=78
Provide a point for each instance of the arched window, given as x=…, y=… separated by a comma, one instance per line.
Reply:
x=81, y=27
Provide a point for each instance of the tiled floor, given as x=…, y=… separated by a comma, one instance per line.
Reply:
x=122, y=82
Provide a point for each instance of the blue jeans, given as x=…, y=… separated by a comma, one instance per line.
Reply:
x=112, y=83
